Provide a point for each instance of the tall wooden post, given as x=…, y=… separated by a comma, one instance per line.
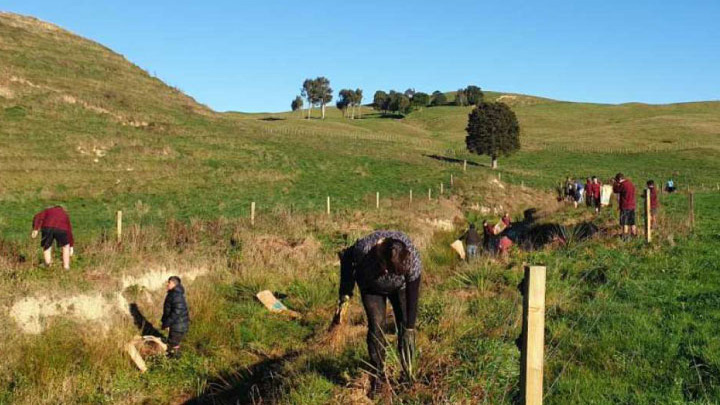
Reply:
x=648, y=217
x=119, y=226
x=377, y=199
x=328, y=205
x=451, y=180
x=252, y=213
x=429, y=194
x=533, y=338
x=410, y=196
x=691, y=213
x=442, y=188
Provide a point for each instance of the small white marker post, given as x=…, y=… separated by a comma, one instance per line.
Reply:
x=410, y=196
x=377, y=200
x=464, y=165
x=252, y=213
x=442, y=188
x=451, y=180
x=328, y=205
x=119, y=226
x=429, y=194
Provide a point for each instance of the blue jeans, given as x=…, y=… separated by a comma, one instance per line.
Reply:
x=471, y=251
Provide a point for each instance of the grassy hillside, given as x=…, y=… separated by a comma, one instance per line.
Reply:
x=82, y=126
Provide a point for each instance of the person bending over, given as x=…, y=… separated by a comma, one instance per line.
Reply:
x=53, y=224
x=386, y=266
x=175, y=315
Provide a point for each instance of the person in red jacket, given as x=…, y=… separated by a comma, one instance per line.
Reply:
x=625, y=190
x=654, y=203
x=54, y=225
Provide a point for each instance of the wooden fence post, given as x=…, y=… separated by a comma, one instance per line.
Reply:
x=410, y=196
x=119, y=226
x=691, y=201
x=442, y=188
x=252, y=213
x=451, y=180
x=648, y=217
x=328, y=205
x=377, y=199
x=464, y=165
x=533, y=338
x=429, y=194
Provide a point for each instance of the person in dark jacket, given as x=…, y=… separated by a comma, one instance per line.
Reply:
x=472, y=241
x=53, y=224
x=625, y=190
x=489, y=239
x=386, y=266
x=175, y=315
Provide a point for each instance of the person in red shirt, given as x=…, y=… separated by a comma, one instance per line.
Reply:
x=654, y=203
x=625, y=190
x=54, y=225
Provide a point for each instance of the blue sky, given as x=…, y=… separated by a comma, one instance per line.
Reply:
x=253, y=56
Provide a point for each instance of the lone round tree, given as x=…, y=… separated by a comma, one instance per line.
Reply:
x=493, y=130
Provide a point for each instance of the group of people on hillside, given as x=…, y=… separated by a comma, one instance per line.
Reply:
x=54, y=227
x=590, y=192
x=494, y=239
x=385, y=265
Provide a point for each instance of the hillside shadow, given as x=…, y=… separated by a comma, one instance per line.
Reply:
x=146, y=327
x=453, y=160
x=271, y=119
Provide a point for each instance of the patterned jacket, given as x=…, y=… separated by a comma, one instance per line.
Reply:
x=359, y=265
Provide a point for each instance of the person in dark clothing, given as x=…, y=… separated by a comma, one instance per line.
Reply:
x=175, y=315
x=472, y=241
x=386, y=266
x=54, y=226
x=625, y=190
x=489, y=240
x=654, y=203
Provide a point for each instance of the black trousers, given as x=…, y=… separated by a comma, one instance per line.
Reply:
x=375, y=309
x=174, y=340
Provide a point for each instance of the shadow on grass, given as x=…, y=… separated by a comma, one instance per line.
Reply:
x=272, y=119
x=252, y=385
x=146, y=328
x=454, y=160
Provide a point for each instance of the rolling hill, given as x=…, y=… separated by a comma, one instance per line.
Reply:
x=82, y=126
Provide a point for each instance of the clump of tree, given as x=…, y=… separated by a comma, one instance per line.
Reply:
x=438, y=98
x=348, y=100
x=492, y=130
x=317, y=92
x=400, y=103
x=297, y=104
x=470, y=95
